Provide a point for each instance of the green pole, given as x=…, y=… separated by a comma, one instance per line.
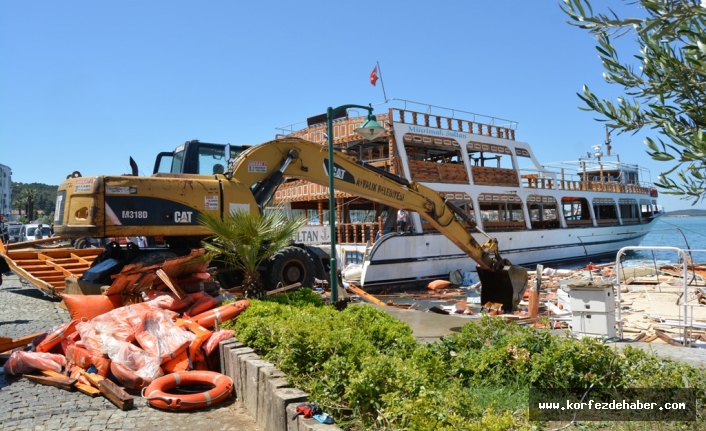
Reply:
x=330, y=113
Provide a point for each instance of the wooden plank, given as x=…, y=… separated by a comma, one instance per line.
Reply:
x=10, y=343
x=81, y=387
x=666, y=338
x=116, y=395
x=284, y=289
x=173, y=286
x=26, y=244
x=365, y=295
x=649, y=339
x=94, y=379
x=62, y=382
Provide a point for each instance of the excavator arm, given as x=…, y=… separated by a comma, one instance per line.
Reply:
x=264, y=166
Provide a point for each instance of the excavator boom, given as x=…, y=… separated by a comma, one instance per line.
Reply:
x=295, y=158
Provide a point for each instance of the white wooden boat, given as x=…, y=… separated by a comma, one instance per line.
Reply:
x=549, y=214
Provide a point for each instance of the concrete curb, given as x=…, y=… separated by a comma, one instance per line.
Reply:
x=264, y=391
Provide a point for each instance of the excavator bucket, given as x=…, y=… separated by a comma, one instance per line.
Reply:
x=504, y=286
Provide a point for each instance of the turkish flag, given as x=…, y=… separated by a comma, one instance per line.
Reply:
x=374, y=76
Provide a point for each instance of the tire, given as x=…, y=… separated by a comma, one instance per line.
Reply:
x=289, y=266
x=81, y=243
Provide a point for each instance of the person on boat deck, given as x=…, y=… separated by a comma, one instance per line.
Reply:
x=401, y=220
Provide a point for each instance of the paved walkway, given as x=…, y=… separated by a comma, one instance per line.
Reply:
x=25, y=310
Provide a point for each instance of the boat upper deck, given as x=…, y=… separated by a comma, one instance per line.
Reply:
x=473, y=150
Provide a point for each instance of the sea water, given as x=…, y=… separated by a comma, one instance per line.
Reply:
x=687, y=233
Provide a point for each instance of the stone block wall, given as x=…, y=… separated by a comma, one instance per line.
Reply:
x=264, y=391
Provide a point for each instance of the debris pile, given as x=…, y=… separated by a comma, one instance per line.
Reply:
x=647, y=306
x=153, y=320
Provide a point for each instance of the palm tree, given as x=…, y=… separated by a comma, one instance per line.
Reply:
x=19, y=203
x=244, y=240
x=30, y=195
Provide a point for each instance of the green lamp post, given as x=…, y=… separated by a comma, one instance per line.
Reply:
x=369, y=130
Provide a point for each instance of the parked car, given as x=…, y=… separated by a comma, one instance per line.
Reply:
x=13, y=231
x=28, y=231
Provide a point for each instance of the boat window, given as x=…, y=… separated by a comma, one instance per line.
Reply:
x=543, y=212
x=492, y=165
x=501, y=212
x=576, y=211
x=645, y=209
x=605, y=211
x=492, y=156
x=629, y=212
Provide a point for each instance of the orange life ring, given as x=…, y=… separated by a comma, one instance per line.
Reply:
x=157, y=396
x=211, y=318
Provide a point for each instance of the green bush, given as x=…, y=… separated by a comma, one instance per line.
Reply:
x=365, y=367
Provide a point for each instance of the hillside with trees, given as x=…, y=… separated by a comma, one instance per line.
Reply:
x=33, y=200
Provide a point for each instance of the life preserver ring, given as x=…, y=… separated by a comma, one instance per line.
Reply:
x=157, y=396
x=211, y=318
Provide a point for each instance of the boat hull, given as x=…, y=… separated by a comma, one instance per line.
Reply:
x=401, y=261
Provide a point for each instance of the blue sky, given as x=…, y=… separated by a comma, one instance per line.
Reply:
x=86, y=84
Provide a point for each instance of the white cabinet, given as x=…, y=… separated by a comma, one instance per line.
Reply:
x=593, y=308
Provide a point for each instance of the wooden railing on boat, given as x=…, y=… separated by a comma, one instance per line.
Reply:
x=453, y=124
x=358, y=233
x=534, y=181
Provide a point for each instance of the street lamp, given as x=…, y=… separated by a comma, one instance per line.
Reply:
x=369, y=130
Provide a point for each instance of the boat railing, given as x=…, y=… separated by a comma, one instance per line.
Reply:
x=461, y=125
x=544, y=180
x=359, y=233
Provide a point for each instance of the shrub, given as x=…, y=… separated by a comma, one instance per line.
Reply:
x=366, y=368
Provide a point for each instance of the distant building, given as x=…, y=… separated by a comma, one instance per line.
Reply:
x=5, y=191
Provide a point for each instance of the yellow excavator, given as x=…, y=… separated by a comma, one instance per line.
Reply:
x=168, y=205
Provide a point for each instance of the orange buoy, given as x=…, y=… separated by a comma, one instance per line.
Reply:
x=211, y=318
x=157, y=394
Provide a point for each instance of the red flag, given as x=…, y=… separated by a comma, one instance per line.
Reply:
x=374, y=76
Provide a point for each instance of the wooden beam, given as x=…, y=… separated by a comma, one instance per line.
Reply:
x=172, y=285
x=284, y=289
x=81, y=387
x=61, y=381
x=116, y=395
x=10, y=343
x=666, y=338
x=365, y=295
